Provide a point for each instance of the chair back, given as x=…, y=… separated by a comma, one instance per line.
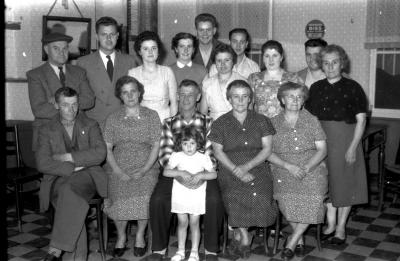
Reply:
x=12, y=145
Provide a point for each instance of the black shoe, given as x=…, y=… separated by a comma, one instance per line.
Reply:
x=155, y=257
x=51, y=257
x=139, y=251
x=337, y=241
x=210, y=257
x=299, y=251
x=118, y=252
x=287, y=254
x=327, y=236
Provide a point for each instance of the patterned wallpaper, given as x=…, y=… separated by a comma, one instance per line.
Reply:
x=345, y=25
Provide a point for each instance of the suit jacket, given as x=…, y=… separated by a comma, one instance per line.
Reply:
x=43, y=82
x=103, y=87
x=92, y=152
x=199, y=59
x=303, y=74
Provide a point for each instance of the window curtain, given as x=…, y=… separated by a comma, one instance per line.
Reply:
x=383, y=24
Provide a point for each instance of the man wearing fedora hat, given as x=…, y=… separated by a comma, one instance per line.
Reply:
x=46, y=79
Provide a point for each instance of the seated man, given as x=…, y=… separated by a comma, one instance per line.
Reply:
x=160, y=202
x=70, y=151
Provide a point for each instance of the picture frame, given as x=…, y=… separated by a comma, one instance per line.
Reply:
x=78, y=28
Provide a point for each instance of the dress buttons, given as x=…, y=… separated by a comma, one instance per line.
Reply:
x=244, y=129
x=252, y=183
x=254, y=194
x=295, y=138
x=297, y=148
x=245, y=143
x=294, y=131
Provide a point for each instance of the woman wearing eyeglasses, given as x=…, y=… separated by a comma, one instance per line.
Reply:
x=300, y=175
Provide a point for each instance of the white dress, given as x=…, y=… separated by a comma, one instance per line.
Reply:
x=183, y=199
x=156, y=89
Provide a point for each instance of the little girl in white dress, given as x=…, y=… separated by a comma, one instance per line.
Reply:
x=193, y=169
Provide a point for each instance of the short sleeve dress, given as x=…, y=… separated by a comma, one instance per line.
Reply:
x=265, y=92
x=157, y=89
x=247, y=204
x=133, y=139
x=299, y=200
x=336, y=106
x=183, y=199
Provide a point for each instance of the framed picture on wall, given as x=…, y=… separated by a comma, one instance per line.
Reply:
x=78, y=28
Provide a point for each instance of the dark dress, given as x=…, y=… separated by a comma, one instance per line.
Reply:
x=299, y=200
x=247, y=204
x=336, y=106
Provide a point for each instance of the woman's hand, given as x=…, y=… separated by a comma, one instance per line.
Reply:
x=350, y=155
x=240, y=170
x=247, y=177
x=121, y=175
x=295, y=170
x=138, y=173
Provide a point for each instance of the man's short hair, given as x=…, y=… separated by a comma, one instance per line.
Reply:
x=205, y=17
x=66, y=92
x=179, y=36
x=188, y=82
x=315, y=43
x=106, y=21
x=240, y=31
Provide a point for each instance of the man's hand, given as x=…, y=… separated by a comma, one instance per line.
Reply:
x=63, y=157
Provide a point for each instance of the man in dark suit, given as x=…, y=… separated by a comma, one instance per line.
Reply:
x=206, y=28
x=46, y=79
x=104, y=68
x=69, y=153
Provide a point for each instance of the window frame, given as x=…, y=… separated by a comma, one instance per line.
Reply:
x=378, y=112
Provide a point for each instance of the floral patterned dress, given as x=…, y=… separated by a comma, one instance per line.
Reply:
x=265, y=92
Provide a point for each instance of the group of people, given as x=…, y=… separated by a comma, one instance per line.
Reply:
x=209, y=135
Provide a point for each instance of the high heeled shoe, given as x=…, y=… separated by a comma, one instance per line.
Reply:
x=139, y=251
x=327, y=236
x=118, y=251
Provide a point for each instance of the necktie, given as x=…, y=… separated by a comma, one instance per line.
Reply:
x=110, y=67
x=62, y=76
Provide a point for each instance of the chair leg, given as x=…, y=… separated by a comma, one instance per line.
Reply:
x=100, y=230
x=319, y=237
x=18, y=199
x=277, y=232
x=265, y=239
x=225, y=233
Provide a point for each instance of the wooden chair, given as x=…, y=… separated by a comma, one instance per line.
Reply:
x=20, y=174
x=102, y=225
x=265, y=236
x=266, y=231
x=392, y=176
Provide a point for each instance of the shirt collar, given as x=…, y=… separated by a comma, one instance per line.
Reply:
x=181, y=65
x=56, y=70
x=104, y=56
